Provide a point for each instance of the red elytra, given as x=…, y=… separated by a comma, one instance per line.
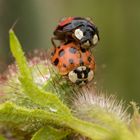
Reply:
x=66, y=21
x=68, y=57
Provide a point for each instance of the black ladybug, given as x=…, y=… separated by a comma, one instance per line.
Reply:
x=78, y=29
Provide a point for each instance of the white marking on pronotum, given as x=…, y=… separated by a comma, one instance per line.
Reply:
x=95, y=39
x=81, y=68
x=83, y=75
x=78, y=34
x=90, y=75
x=72, y=76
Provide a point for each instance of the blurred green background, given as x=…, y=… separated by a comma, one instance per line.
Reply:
x=117, y=54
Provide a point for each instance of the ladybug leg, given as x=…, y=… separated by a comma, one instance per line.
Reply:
x=52, y=40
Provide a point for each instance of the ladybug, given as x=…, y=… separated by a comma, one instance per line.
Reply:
x=81, y=30
x=77, y=64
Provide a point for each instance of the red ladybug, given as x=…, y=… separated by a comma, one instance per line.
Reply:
x=77, y=64
x=77, y=29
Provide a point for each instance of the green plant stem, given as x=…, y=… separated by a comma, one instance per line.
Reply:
x=10, y=112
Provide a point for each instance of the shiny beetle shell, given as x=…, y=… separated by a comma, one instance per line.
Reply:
x=70, y=60
x=81, y=30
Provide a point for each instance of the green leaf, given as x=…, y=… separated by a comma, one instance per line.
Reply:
x=36, y=94
x=17, y=52
x=11, y=113
x=49, y=133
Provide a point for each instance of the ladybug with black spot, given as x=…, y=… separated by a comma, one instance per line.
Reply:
x=77, y=64
x=77, y=29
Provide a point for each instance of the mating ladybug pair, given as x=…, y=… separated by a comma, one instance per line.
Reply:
x=72, y=56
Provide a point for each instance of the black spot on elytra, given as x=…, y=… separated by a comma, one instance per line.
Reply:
x=64, y=65
x=89, y=59
x=83, y=50
x=72, y=50
x=71, y=61
x=53, y=52
x=58, y=47
x=56, y=61
x=61, y=52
